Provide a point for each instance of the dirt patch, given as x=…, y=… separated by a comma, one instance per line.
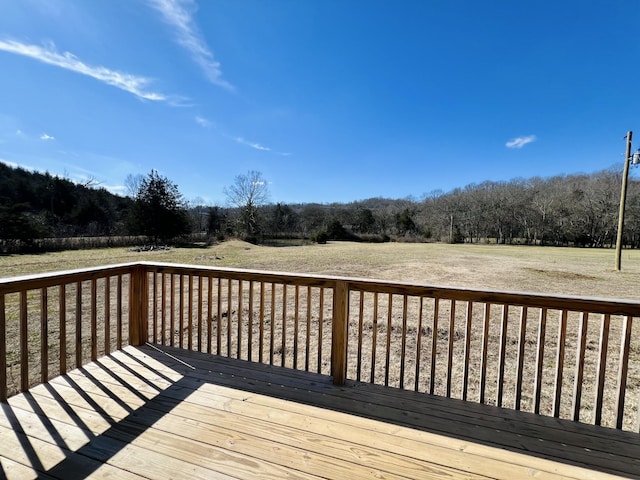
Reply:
x=561, y=275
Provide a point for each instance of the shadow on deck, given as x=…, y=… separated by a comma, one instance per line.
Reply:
x=149, y=412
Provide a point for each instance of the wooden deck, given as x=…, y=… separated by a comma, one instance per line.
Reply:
x=149, y=413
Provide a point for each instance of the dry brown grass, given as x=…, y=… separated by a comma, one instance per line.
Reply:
x=572, y=271
x=584, y=272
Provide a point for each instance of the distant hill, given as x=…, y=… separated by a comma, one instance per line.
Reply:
x=571, y=210
x=40, y=204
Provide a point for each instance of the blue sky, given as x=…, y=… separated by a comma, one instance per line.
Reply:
x=331, y=100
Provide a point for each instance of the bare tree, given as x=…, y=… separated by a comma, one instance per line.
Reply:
x=90, y=182
x=198, y=212
x=133, y=184
x=248, y=193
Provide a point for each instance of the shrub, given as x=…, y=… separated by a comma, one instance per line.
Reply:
x=320, y=236
x=374, y=238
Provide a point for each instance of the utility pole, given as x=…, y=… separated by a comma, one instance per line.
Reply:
x=623, y=199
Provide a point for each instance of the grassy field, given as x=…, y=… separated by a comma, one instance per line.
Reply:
x=583, y=272
x=572, y=271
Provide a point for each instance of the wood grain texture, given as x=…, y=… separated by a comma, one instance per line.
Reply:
x=161, y=412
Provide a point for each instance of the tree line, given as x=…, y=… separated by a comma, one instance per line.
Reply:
x=571, y=210
x=564, y=210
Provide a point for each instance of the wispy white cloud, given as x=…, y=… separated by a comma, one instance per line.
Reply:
x=181, y=101
x=203, y=122
x=135, y=84
x=520, y=142
x=257, y=146
x=179, y=15
x=9, y=163
x=47, y=137
x=16, y=165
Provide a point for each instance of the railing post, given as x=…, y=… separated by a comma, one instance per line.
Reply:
x=339, y=332
x=3, y=351
x=138, y=305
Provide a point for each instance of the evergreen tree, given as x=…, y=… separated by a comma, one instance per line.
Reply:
x=159, y=210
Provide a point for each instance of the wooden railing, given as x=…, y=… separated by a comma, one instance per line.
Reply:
x=567, y=357
x=50, y=323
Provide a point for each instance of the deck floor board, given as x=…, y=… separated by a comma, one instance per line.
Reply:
x=160, y=412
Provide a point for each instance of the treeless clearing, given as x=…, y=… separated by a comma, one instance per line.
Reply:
x=571, y=271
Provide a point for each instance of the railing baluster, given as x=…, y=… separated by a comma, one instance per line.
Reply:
x=261, y=342
x=3, y=350
x=219, y=320
x=320, y=327
x=229, y=315
x=78, y=324
x=403, y=348
x=272, y=318
x=239, y=319
x=119, y=313
x=467, y=351
x=602, y=366
x=94, y=320
x=200, y=313
x=250, y=323
x=374, y=337
x=308, y=334
x=623, y=367
x=537, y=384
x=172, y=309
x=44, y=335
x=24, y=346
x=579, y=373
x=163, y=308
x=419, y=344
x=360, y=328
x=62, y=321
x=452, y=331
x=296, y=318
x=521, y=345
x=486, y=321
x=434, y=345
x=209, y=313
x=107, y=315
x=154, y=289
x=388, y=347
x=284, y=325
x=562, y=335
x=190, y=313
x=502, y=353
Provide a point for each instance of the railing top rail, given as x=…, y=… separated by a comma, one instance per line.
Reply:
x=40, y=280
x=612, y=306
x=243, y=274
